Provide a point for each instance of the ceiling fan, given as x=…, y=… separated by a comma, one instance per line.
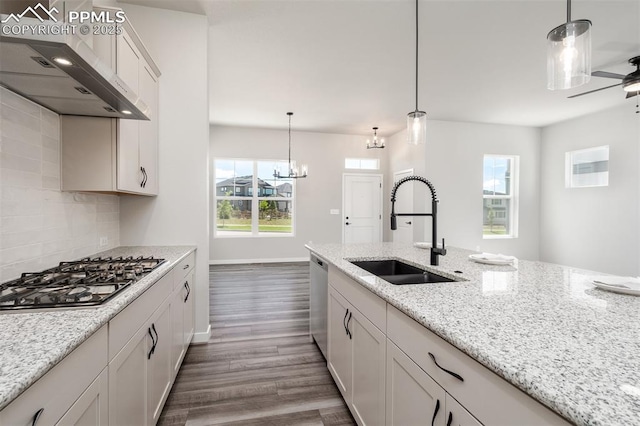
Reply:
x=630, y=82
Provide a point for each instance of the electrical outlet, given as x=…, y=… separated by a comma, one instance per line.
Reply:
x=104, y=241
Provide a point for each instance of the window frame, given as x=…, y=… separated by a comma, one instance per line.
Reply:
x=512, y=197
x=254, y=199
x=570, y=180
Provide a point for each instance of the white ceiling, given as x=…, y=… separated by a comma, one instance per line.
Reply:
x=346, y=66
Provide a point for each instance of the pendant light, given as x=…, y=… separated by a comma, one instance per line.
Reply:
x=569, y=54
x=417, y=120
x=376, y=143
x=294, y=172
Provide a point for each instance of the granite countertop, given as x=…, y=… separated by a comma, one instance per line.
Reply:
x=544, y=328
x=32, y=342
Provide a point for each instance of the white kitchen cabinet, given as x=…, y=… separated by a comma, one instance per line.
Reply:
x=182, y=310
x=109, y=154
x=92, y=408
x=63, y=388
x=413, y=398
x=128, y=381
x=160, y=368
x=489, y=398
x=340, y=353
x=357, y=360
x=140, y=374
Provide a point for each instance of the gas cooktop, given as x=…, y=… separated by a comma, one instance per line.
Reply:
x=86, y=282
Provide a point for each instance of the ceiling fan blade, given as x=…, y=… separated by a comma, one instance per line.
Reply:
x=631, y=94
x=593, y=91
x=607, y=75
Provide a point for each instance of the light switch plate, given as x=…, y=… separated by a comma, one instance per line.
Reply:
x=334, y=211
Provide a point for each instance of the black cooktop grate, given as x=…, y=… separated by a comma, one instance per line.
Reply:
x=86, y=282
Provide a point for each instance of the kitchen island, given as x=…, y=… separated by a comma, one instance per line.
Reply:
x=33, y=342
x=543, y=328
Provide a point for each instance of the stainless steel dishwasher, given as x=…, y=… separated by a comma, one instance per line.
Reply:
x=318, y=295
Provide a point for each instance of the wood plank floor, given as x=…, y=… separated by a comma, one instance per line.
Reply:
x=259, y=367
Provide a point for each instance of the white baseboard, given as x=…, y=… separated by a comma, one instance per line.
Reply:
x=201, y=338
x=241, y=261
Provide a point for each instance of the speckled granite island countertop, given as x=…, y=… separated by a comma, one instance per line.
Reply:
x=32, y=342
x=543, y=327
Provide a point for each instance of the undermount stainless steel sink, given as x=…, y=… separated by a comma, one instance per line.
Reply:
x=398, y=273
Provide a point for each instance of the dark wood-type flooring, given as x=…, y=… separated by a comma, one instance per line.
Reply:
x=260, y=366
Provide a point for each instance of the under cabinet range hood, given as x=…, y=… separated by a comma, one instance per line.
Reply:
x=32, y=63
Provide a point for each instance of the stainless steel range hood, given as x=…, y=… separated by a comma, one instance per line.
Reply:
x=28, y=53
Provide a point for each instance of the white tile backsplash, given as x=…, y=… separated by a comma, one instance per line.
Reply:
x=41, y=226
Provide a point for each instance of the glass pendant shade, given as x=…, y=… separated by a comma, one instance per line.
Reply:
x=417, y=127
x=569, y=55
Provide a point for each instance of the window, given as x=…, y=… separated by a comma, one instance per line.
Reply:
x=362, y=163
x=500, y=201
x=587, y=167
x=249, y=201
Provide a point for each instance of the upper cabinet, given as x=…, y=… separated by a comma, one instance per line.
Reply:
x=116, y=155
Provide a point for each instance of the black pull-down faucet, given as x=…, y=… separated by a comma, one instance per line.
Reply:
x=435, y=250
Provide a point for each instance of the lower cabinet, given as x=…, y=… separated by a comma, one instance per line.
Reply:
x=412, y=396
x=70, y=393
x=357, y=360
x=182, y=318
x=123, y=373
x=128, y=381
x=405, y=375
x=160, y=376
x=92, y=408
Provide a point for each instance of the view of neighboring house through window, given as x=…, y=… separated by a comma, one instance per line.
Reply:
x=250, y=201
x=500, y=206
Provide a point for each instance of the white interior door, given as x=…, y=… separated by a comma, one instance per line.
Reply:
x=362, y=207
x=404, y=204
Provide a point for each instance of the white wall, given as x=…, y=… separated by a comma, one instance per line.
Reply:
x=452, y=160
x=593, y=228
x=41, y=226
x=179, y=214
x=315, y=195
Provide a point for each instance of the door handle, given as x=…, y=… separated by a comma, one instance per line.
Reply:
x=408, y=223
x=348, y=321
x=346, y=223
x=344, y=324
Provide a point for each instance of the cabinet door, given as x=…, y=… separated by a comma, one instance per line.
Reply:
x=340, y=353
x=189, y=307
x=413, y=398
x=177, y=329
x=149, y=130
x=128, y=381
x=92, y=408
x=129, y=173
x=368, y=370
x=160, y=367
x=457, y=415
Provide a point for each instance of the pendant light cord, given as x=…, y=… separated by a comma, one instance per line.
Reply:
x=568, y=11
x=416, y=55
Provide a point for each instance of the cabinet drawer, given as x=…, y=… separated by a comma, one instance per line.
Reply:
x=371, y=306
x=491, y=399
x=56, y=391
x=183, y=268
x=124, y=325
